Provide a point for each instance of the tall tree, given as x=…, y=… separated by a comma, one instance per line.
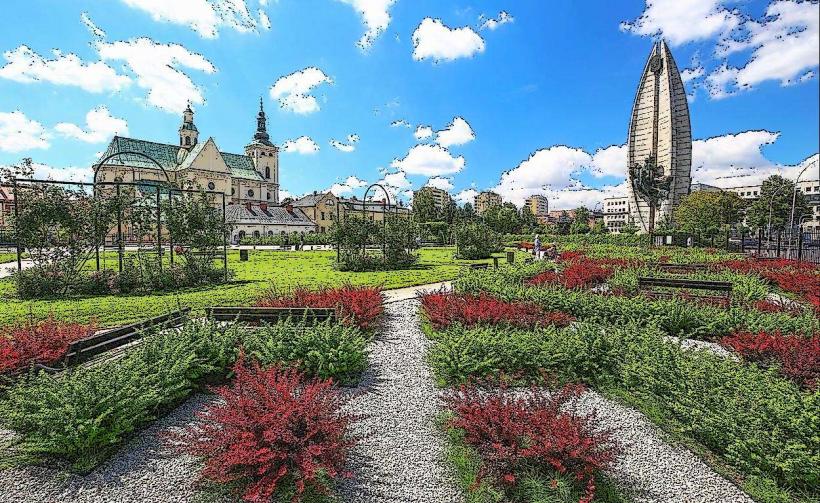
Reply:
x=529, y=222
x=424, y=207
x=708, y=213
x=775, y=201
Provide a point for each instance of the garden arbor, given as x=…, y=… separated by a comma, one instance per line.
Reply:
x=56, y=220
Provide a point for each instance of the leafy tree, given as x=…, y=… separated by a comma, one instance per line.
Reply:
x=476, y=240
x=449, y=213
x=599, y=227
x=776, y=200
x=504, y=219
x=23, y=169
x=468, y=211
x=708, y=213
x=580, y=223
x=529, y=223
x=424, y=207
x=630, y=229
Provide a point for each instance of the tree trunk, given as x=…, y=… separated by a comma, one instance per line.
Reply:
x=651, y=219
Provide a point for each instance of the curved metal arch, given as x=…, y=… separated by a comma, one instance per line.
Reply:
x=386, y=195
x=124, y=152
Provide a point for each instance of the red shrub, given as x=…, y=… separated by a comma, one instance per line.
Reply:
x=512, y=431
x=570, y=255
x=526, y=246
x=544, y=278
x=354, y=305
x=42, y=342
x=579, y=273
x=799, y=357
x=800, y=278
x=274, y=425
x=445, y=308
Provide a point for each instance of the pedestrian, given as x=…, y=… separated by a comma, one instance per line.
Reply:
x=537, y=247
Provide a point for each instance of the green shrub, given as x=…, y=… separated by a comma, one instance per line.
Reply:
x=759, y=423
x=676, y=317
x=475, y=241
x=327, y=351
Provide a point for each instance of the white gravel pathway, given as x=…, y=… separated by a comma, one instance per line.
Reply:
x=401, y=458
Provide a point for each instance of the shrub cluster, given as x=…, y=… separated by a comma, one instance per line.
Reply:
x=476, y=241
x=799, y=278
x=41, y=342
x=275, y=431
x=798, y=358
x=514, y=435
x=83, y=415
x=443, y=309
x=675, y=316
x=579, y=271
x=760, y=423
x=360, y=306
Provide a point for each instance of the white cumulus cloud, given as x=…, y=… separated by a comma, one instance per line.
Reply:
x=375, y=17
x=18, y=133
x=433, y=40
x=345, y=147
x=682, y=22
x=95, y=30
x=429, y=160
x=458, y=132
x=157, y=68
x=293, y=91
x=401, y=123
x=24, y=65
x=552, y=167
x=100, y=127
x=440, y=182
x=303, y=145
x=205, y=17
x=351, y=184
x=423, y=132
x=466, y=196
x=264, y=20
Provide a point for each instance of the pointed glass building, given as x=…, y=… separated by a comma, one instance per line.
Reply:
x=660, y=127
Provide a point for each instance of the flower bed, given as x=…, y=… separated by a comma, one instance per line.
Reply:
x=578, y=271
x=275, y=431
x=360, y=306
x=443, y=309
x=517, y=435
x=798, y=358
x=799, y=278
x=43, y=342
x=753, y=420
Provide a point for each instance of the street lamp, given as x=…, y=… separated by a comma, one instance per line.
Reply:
x=794, y=201
x=771, y=201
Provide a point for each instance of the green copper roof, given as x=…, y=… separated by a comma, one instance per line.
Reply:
x=241, y=166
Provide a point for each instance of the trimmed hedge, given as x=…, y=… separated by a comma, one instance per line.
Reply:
x=759, y=423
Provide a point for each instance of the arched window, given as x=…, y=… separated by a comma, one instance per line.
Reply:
x=233, y=191
x=211, y=186
x=267, y=172
x=256, y=234
x=268, y=196
x=241, y=234
x=187, y=140
x=270, y=233
x=250, y=192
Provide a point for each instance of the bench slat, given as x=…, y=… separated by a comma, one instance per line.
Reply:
x=270, y=314
x=722, y=286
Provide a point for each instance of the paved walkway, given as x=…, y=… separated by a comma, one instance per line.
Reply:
x=411, y=292
x=9, y=268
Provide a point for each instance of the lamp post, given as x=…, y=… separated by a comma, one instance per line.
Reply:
x=769, y=224
x=794, y=201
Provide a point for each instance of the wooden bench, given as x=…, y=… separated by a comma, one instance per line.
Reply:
x=271, y=314
x=87, y=348
x=479, y=266
x=682, y=268
x=650, y=285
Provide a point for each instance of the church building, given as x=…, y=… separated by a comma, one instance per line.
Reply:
x=250, y=180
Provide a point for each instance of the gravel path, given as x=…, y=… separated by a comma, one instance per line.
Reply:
x=402, y=457
x=144, y=470
x=650, y=468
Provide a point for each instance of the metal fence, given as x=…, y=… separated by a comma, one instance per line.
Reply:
x=802, y=245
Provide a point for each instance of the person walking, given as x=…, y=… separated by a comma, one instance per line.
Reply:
x=537, y=247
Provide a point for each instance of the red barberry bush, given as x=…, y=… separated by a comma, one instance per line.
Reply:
x=274, y=432
x=443, y=309
x=797, y=356
x=360, y=306
x=39, y=342
x=800, y=278
x=512, y=433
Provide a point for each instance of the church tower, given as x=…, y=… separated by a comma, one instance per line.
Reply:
x=265, y=156
x=188, y=133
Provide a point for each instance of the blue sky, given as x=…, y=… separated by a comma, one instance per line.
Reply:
x=537, y=100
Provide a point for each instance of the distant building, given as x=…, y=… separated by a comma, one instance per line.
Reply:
x=811, y=193
x=486, y=200
x=539, y=207
x=616, y=213
x=323, y=207
x=702, y=187
x=440, y=197
x=6, y=206
x=263, y=220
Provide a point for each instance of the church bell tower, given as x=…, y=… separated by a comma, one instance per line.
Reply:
x=188, y=133
x=265, y=156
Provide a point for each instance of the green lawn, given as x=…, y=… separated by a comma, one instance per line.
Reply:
x=264, y=270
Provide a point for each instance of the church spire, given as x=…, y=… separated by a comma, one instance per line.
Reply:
x=261, y=134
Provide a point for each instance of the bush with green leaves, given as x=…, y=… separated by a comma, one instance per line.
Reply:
x=676, y=317
x=475, y=240
x=366, y=245
x=325, y=350
x=762, y=425
x=84, y=414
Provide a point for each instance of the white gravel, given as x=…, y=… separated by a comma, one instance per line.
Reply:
x=402, y=457
x=144, y=470
x=652, y=470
